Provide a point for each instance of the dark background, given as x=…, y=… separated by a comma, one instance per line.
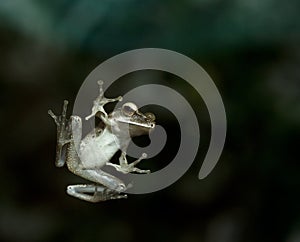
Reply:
x=250, y=49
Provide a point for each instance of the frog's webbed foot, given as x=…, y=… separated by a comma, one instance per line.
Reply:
x=93, y=193
x=125, y=168
x=63, y=133
x=100, y=101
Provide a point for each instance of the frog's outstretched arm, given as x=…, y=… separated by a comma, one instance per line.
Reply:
x=125, y=168
x=63, y=133
x=100, y=101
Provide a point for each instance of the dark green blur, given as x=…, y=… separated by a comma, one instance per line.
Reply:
x=249, y=48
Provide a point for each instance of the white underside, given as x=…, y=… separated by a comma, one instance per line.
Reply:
x=95, y=152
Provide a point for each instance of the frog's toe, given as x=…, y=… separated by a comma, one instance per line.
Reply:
x=141, y=171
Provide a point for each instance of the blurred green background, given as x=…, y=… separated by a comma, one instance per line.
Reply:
x=250, y=49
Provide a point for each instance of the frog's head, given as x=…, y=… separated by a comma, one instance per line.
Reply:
x=139, y=123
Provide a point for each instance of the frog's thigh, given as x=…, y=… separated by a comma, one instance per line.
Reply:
x=108, y=180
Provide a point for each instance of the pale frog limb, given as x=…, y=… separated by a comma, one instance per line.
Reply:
x=125, y=168
x=93, y=193
x=100, y=101
x=63, y=133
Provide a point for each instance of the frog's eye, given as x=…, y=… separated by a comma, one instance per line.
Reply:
x=150, y=116
x=129, y=109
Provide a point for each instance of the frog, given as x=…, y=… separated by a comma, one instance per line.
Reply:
x=86, y=157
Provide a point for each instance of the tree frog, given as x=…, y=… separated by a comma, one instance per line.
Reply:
x=85, y=157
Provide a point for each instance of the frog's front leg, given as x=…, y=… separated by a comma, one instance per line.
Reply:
x=100, y=101
x=63, y=133
x=125, y=168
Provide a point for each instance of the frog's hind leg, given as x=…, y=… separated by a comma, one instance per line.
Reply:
x=63, y=133
x=93, y=193
x=107, y=186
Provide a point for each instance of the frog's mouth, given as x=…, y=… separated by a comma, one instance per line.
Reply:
x=139, y=124
x=144, y=125
x=137, y=129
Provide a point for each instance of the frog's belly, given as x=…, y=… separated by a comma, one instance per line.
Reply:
x=98, y=151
